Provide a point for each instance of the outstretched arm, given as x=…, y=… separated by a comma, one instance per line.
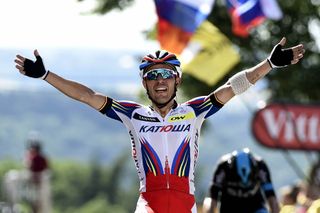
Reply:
x=241, y=81
x=72, y=89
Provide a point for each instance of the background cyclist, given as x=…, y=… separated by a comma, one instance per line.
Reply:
x=241, y=182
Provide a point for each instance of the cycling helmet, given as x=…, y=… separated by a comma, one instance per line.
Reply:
x=245, y=165
x=160, y=57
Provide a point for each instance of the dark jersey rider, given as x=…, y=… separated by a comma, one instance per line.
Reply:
x=242, y=183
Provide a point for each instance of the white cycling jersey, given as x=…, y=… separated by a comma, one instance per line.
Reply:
x=164, y=150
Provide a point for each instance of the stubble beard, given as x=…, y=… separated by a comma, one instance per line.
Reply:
x=161, y=105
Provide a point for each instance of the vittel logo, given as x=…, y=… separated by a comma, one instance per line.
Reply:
x=288, y=126
x=167, y=128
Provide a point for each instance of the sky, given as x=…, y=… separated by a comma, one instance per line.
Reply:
x=66, y=23
x=68, y=36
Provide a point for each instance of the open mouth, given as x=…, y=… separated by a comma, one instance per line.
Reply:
x=161, y=89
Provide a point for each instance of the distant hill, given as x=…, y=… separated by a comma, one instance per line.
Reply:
x=68, y=129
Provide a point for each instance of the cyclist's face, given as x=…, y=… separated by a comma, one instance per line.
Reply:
x=160, y=89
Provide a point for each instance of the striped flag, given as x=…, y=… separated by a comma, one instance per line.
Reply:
x=178, y=20
x=247, y=14
x=209, y=55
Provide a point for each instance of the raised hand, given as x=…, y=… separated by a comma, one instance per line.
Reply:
x=33, y=69
x=280, y=57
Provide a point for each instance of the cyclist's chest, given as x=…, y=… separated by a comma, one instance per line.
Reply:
x=176, y=126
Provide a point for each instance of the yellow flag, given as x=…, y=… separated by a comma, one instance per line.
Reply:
x=209, y=55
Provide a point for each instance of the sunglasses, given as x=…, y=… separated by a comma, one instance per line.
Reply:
x=164, y=73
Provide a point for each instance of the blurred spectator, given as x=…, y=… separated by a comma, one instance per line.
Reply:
x=315, y=207
x=241, y=183
x=300, y=198
x=289, y=195
x=35, y=160
x=38, y=177
x=313, y=191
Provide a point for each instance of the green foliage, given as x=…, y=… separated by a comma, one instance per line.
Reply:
x=92, y=188
x=69, y=181
x=83, y=188
x=5, y=166
x=100, y=205
x=105, y=6
x=298, y=83
x=67, y=128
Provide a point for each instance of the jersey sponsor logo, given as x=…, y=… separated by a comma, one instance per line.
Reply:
x=181, y=117
x=145, y=118
x=135, y=155
x=166, y=128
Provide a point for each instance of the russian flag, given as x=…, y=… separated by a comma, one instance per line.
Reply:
x=246, y=14
x=178, y=20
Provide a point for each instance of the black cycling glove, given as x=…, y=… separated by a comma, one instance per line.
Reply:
x=280, y=57
x=35, y=69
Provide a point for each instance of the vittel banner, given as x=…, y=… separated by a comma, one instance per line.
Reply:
x=285, y=126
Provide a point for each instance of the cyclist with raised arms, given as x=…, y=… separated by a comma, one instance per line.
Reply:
x=164, y=136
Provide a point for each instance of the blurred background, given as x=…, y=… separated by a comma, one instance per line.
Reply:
x=100, y=44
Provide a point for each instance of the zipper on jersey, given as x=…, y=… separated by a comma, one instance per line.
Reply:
x=167, y=165
x=166, y=149
x=167, y=171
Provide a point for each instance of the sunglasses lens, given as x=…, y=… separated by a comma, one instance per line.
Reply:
x=151, y=75
x=164, y=73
